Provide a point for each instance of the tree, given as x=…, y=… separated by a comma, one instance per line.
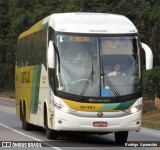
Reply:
x=17, y=16
x=4, y=22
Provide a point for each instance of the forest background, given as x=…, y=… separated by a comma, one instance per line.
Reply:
x=17, y=16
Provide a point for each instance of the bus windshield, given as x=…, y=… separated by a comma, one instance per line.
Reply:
x=98, y=66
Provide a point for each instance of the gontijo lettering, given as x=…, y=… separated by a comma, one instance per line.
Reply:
x=25, y=77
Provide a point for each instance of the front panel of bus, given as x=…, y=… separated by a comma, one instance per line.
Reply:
x=88, y=85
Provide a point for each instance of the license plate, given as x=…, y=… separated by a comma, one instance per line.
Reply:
x=99, y=124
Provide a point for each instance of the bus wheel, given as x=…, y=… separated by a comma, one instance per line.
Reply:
x=25, y=125
x=21, y=113
x=121, y=137
x=51, y=134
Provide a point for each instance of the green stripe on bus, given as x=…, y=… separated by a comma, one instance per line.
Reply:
x=118, y=106
x=35, y=89
x=44, y=26
x=126, y=105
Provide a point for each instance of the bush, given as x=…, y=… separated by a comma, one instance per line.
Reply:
x=151, y=82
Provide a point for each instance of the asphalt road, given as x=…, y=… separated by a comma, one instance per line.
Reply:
x=11, y=132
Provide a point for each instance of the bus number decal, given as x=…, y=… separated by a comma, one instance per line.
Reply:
x=87, y=107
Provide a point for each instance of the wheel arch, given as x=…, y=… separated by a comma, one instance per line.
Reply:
x=46, y=113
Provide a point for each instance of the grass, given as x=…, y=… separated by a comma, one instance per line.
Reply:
x=10, y=94
x=150, y=115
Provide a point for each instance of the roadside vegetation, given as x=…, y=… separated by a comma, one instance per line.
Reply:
x=8, y=95
x=150, y=115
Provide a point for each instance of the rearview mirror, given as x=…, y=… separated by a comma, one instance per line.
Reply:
x=149, y=56
x=51, y=55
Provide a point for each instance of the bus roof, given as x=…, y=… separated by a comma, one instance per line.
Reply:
x=97, y=23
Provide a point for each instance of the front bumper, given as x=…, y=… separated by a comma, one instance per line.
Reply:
x=67, y=122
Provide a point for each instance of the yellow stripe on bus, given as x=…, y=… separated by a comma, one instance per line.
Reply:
x=88, y=107
x=33, y=29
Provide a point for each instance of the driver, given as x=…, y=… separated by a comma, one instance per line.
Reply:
x=117, y=71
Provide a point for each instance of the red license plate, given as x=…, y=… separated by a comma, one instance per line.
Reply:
x=100, y=124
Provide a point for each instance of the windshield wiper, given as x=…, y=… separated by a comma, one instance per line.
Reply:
x=113, y=89
x=90, y=79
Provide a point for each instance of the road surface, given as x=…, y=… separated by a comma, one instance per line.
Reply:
x=11, y=131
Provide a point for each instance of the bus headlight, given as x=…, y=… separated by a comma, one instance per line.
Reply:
x=66, y=109
x=134, y=109
x=63, y=108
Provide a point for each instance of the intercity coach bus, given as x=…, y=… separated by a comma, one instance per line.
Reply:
x=62, y=75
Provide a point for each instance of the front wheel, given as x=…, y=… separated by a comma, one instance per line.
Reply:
x=51, y=134
x=121, y=137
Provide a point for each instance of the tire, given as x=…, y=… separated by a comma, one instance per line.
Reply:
x=50, y=134
x=25, y=125
x=21, y=113
x=121, y=137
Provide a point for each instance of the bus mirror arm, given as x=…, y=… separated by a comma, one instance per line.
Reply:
x=149, y=56
x=51, y=55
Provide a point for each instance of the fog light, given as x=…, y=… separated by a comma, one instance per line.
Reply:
x=138, y=122
x=60, y=121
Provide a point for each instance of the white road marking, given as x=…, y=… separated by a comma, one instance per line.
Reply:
x=36, y=139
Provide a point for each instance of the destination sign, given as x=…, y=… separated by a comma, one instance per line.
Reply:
x=79, y=38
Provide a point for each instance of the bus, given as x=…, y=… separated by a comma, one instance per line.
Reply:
x=62, y=75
